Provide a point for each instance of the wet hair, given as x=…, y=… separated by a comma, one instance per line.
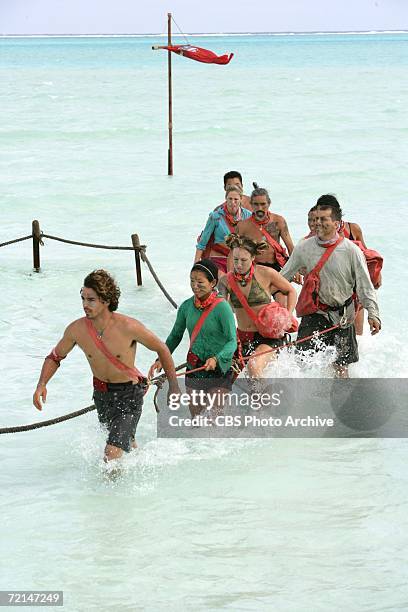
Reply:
x=104, y=286
x=207, y=267
x=235, y=241
x=231, y=175
x=260, y=191
x=328, y=200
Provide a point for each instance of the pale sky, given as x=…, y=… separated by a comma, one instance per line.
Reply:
x=144, y=16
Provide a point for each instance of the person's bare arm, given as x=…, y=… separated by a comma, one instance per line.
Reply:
x=285, y=235
x=51, y=365
x=222, y=288
x=198, y=255
x=141, y=334
x=357, y=233
x=277, y=281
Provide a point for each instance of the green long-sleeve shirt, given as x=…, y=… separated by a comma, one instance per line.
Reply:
x=217, y=337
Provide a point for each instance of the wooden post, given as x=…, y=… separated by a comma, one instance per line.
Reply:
x=170, y=150
x=36, y=245
x=136, y=245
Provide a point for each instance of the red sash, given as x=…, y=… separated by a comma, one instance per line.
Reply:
x=133, y=373
x=281, y=254
x=308, y=301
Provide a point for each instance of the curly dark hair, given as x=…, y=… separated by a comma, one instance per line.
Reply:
x=234, y=241
x=104, y=286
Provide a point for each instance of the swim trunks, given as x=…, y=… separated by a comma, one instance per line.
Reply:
x=119, y=406
x=342, y=338
x=250, y=340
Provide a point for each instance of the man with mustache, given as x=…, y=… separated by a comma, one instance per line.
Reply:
x=266, y=225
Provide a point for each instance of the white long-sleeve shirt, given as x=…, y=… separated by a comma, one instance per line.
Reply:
x=345, y=270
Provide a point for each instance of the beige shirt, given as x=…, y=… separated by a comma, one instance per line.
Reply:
x=345, y=271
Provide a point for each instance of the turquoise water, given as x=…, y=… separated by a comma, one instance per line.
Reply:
x=234, y=525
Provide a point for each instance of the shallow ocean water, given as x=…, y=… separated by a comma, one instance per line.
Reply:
x=212, y=524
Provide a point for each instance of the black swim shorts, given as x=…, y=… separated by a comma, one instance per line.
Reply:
x=248, y=346
x=119, y=409
x=342, y=338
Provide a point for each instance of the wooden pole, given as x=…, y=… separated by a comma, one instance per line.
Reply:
x=170, y=150
x=36, y=245
x=136, y=245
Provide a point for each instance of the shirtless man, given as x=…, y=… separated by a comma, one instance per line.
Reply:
x=265, y=225
x=118, y=393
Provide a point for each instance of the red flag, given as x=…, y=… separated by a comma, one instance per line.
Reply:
x=199, y=54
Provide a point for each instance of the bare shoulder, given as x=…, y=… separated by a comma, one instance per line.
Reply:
x=127, y=324
x=265, y=274
x=75, y=329
x=278, y=219
x=355, y=228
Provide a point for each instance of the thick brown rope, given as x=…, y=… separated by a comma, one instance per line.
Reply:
x=156, y=278
x=93, y=246
x=2, y=244
x=65, y=417
x=158, y=380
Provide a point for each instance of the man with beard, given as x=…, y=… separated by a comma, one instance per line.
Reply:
x=266, y=225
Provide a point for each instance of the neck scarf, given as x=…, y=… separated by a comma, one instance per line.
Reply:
x=202, y=304
x=230, y=218
x=264, y=221
x=327, y=243
x=244, y=279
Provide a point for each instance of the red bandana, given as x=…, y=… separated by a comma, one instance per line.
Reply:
x=229, y=218
x=202, y=304
x=244, y=279
x=264, y=221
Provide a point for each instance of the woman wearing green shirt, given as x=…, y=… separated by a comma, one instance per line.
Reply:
x=216, y=341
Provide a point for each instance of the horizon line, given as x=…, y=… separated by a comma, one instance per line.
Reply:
x=164, y=35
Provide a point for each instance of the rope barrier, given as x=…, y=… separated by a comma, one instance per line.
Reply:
x=158, y=381
x=2, y=244
x=88, y=244
x=136, y=248
x=156, y=278
x=65, y=417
